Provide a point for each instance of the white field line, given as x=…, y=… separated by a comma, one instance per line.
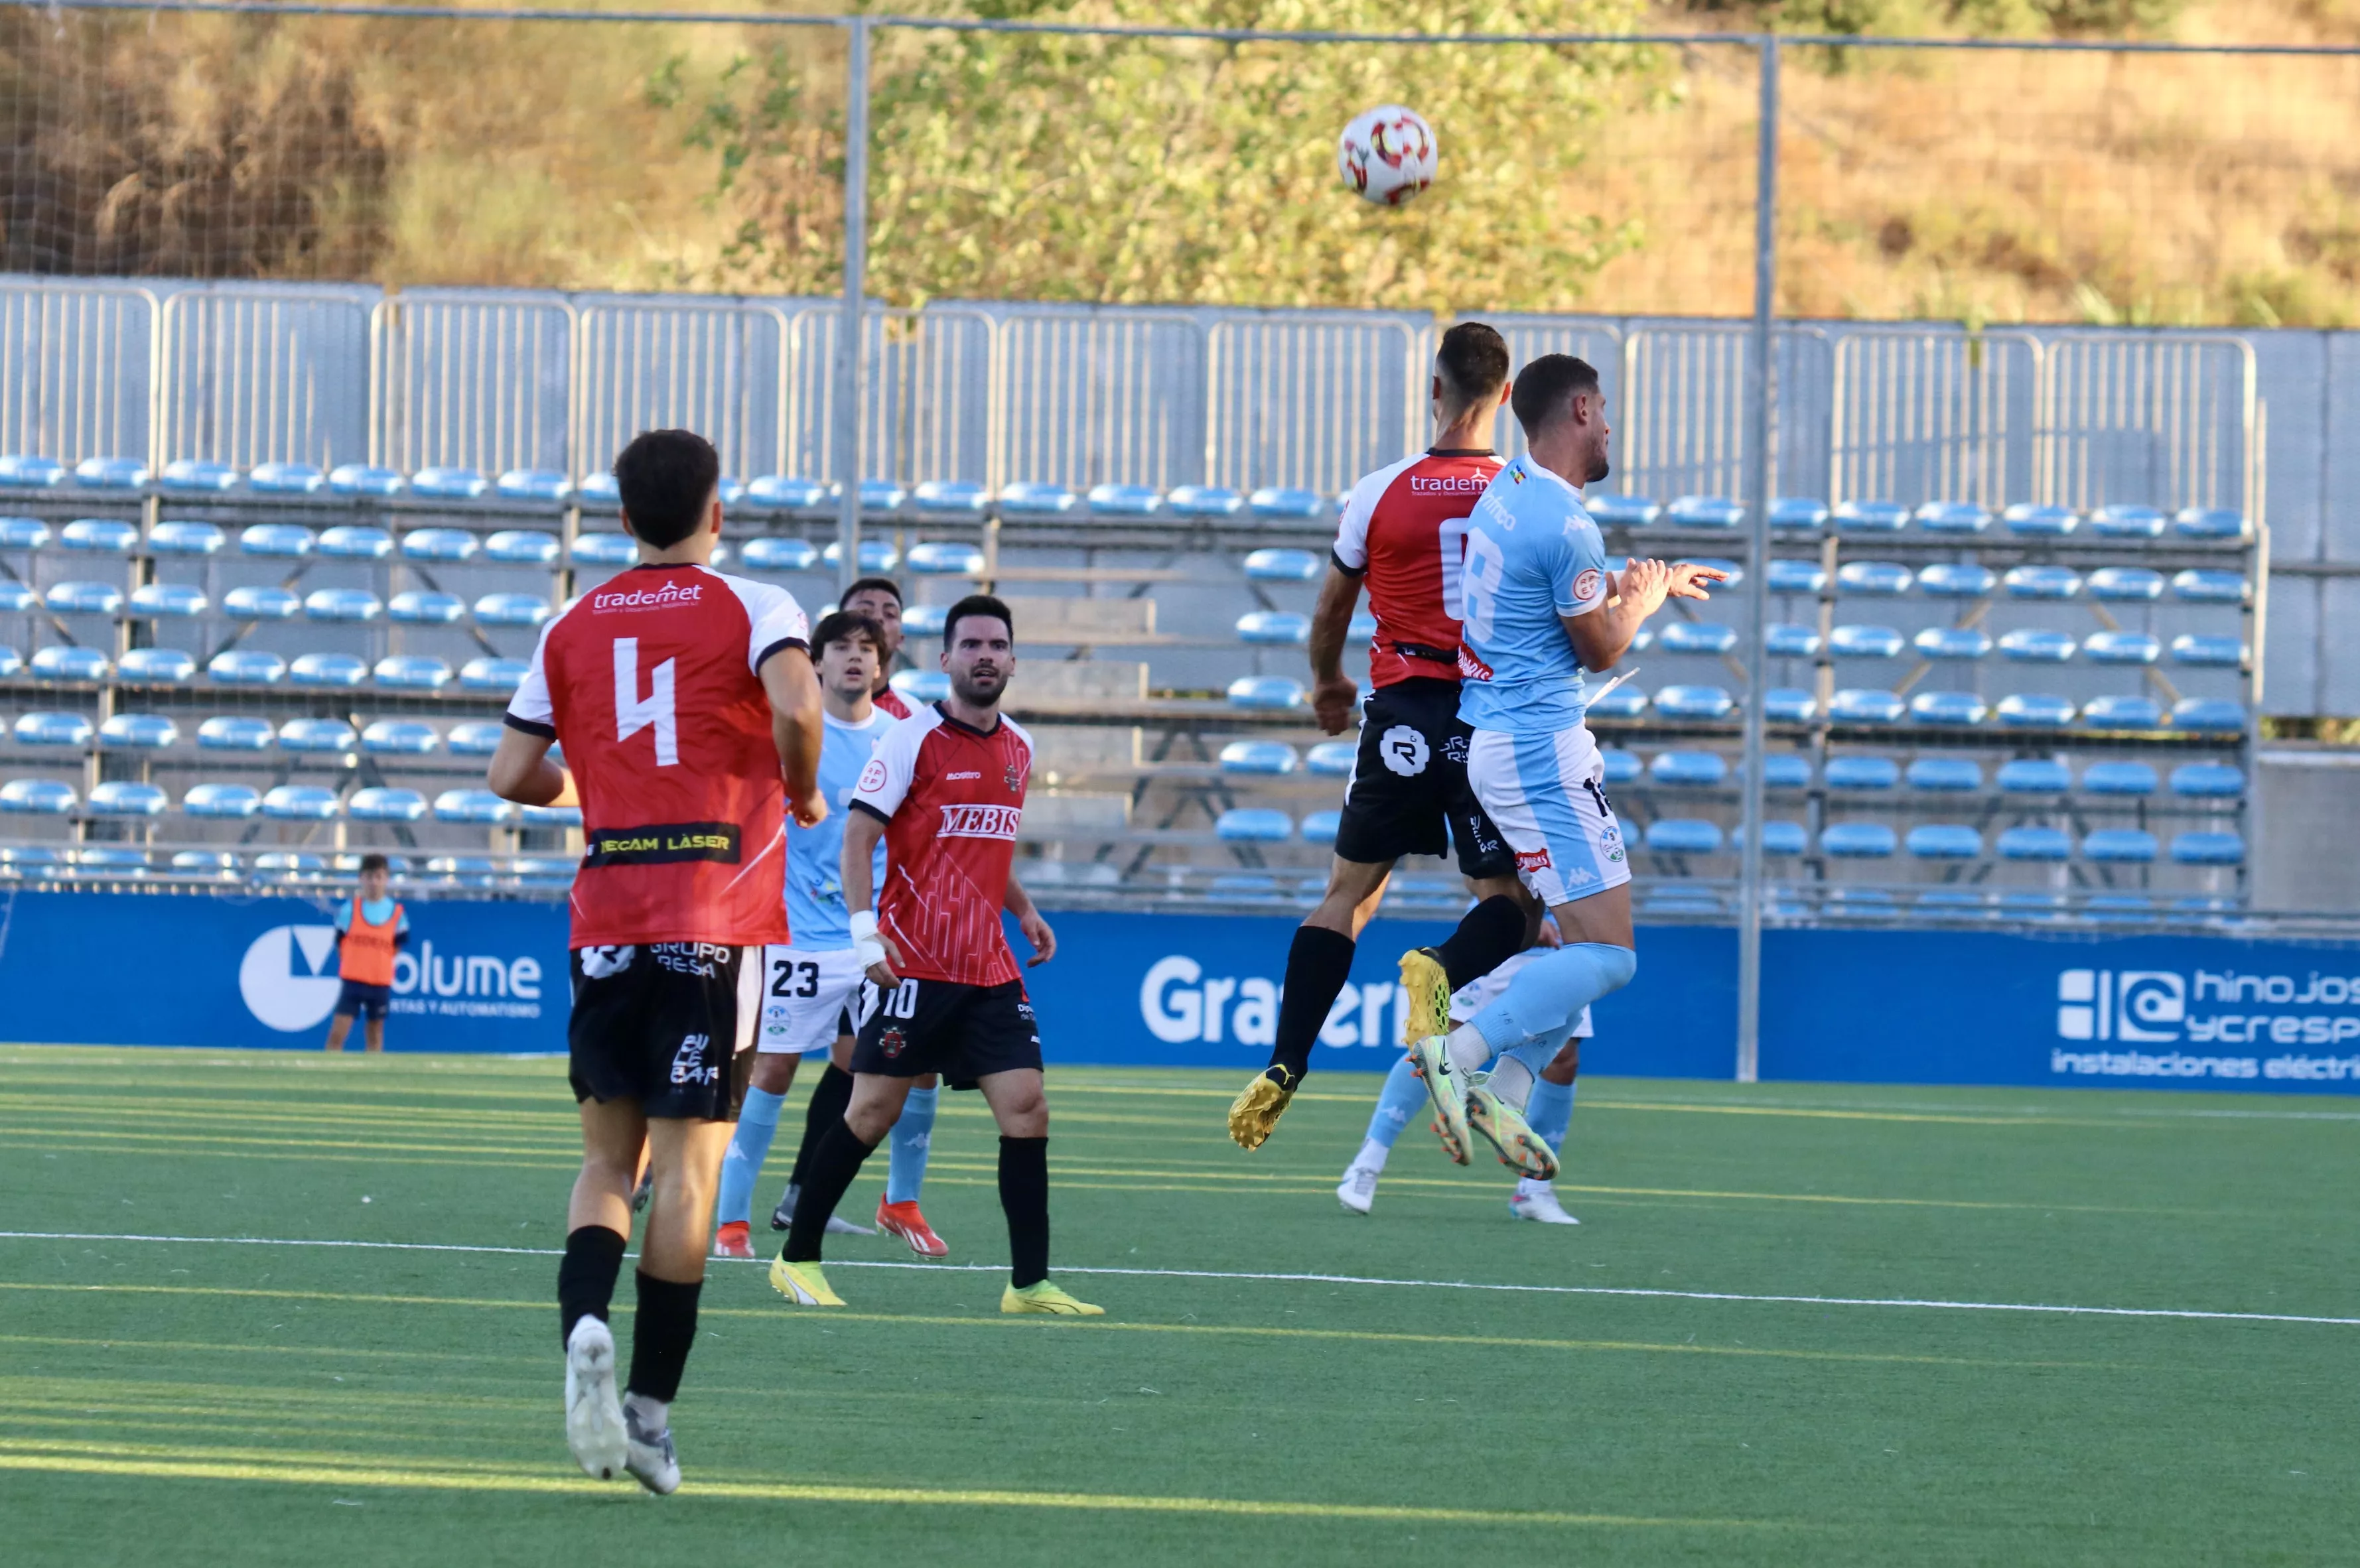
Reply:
x=1906, y=1302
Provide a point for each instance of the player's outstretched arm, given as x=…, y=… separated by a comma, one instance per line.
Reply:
x=789, y=680
x=1018, y=902
x=520, y=771
x=1601, y=636
x=1333, y=692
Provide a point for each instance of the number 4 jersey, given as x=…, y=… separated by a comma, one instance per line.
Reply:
x=1405, y=528
x=649, y=683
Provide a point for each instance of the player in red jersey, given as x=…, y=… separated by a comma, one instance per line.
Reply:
x=879, y=599
x=1403, y=534
x=690, y=717
x=946, y=792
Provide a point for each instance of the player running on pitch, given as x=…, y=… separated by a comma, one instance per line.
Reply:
x=1538, y=608
x=946, y=792
x=1400, y=534
x=808, y=987
x=680, y=697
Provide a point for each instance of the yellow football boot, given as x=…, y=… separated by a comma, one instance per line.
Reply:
x=1504, y=1129
x=1042, y=1296
x=802, y=1283
x=1428, y=985
x=1254, y=1113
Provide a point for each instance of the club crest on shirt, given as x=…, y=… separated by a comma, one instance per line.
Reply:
x=1586, y=586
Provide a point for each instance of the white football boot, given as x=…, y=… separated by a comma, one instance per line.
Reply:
x=1537, y=1201
x=1358, y=1191
x=594, y=1416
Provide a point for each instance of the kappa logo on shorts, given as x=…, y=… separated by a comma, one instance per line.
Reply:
x=891, y=1043
x=1532, y=860
x=1404, y=751
x=688, y=1064
x=598, y=963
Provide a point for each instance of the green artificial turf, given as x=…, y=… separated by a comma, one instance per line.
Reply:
x=195, y=1401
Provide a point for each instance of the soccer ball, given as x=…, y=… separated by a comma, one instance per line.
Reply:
x=1386, y=154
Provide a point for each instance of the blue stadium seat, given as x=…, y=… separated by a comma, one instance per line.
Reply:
x=925, y=620
x=511, y=610
x=123, y=798
x=2117, y=712
x=1362, y=627
x=262, y=602
x=52, y=729
x=1957, y=580
x=1947, y=708
x=875, y=495
x=100, y=535
x=355, y=542
x=486, y=674
x=2210, y=522
x=1266, y=692
x=1278, y=501
x=1282, y=566
x=1857, y=705
x=1945, y=841
x=1623, y=511
x=1280, y=626
x=521, y=546
x=1204, y=501
x=237, y=800
x=138, y=732
x=1858, y=841
x=1683, y=835
x=446, y=545
x=1642, y=639
x=2042, y=582
x=1778, y=837
x=2035, y=844
x=2202, y=714
x=551, y=817
x=1693, y=702
x=1952, y=903
x=471, y=806
x=197, y=475
x=82, y=599
x=415, y=606
x=448, y=483
x=600, y=489
x=1866, y=642
x=1788, y=705
x=247, y=667
x=2225, y=652
x=943, y=560
x=289, y=542
x=1785, y=771
x=341, y=604
x=37, y=797
x=14, y=598
x=1124, y=501
x=217, y=864
x=2034, y=709
x=621, y=549
x=2198, y=587
x=2026, y=905
x=1881, y=578
x=327, y=669
x=2130, y=846
x=1952, y=517
x=1862, y=773
x=60, y=663
x=2208, y=848
x=411, y=672
x=1787, y=640
x=400, y=737
x=1621, y=766
x=1688, y=767
x=1319, y=827
x=1245, y=887
x=2207, y=780
x=2033, y=520
x=784, y=493
x=478, y=737
x=772, y=553
x=159, y=666
x=1952, y=642
x=11, y=663
x=1625, y=701
x=945, y=497
x=37, y=861
x=1269, y=757
x=2118, y=778
x=532, y=484
x=25, y=471
x=110, y=473
x=1797, y=512
x=383, y=804
x=177, y=599
x=2037, y=645
x=179, y=537
x=1863, y=903
x=316, y=735
x=1704, y=512
x=1254, y=824
x=919, y=687
x=2126, y=585
x=1871, y=517
x=1796, y=577
x=2120, y=909
x=1946, y=774
x=1697, y=636
x=287, y=866
x=301, y=803
x=1333, y=758
x=2126, y=522
x=875, y=554
x=2122, y=647
x=23, y=533
x=2035, y=776
x=285, y=479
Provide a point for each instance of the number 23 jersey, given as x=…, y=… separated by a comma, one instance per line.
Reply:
x=649, y=683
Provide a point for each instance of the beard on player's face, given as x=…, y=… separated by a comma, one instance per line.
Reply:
x=981, y=683
x=1599, y=468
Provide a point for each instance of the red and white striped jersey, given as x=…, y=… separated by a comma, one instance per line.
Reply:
x=1405, y=528
x=950, y=797
x=649, y=684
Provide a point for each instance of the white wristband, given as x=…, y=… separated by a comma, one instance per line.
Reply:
x=867, y=947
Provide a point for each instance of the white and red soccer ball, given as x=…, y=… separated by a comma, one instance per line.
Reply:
x=1386, y=155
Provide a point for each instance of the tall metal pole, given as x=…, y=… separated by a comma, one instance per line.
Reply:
x=1758, y=384
x=851, y=360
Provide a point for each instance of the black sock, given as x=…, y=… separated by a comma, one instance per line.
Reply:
x=662, y=1335
x=585, y=1280
x=833, y=1167
x=1024, y=1196
x=829, y=1097
x=1487, y=936
x=1316, y=967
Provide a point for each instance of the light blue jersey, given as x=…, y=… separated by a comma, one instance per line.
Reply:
x=1532, y=555
x=817, y=916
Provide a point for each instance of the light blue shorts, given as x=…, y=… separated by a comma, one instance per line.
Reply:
x=1546, y=795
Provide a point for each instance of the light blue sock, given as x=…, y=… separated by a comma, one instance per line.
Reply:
x=1403, y=1098
x=1549, y=1111
x=906, y=1161
x=1548, y=994
x=757, y=1123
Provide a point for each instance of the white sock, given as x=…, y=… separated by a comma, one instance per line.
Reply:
x=1466, y=1049
x=1371, y=1156
x=652, y=1415
x=1528, y=1188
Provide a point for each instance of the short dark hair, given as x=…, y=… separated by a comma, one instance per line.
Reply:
x=1544, y=387
x=1472, y=361
x=866, y=583
x=666, y=477
x=372, y=861
x=976, y=604
x=843, y=626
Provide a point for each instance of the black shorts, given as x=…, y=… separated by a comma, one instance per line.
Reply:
x=1409, y=784
x=664, y=1024
x=368, y=1001
x=964, y=1032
